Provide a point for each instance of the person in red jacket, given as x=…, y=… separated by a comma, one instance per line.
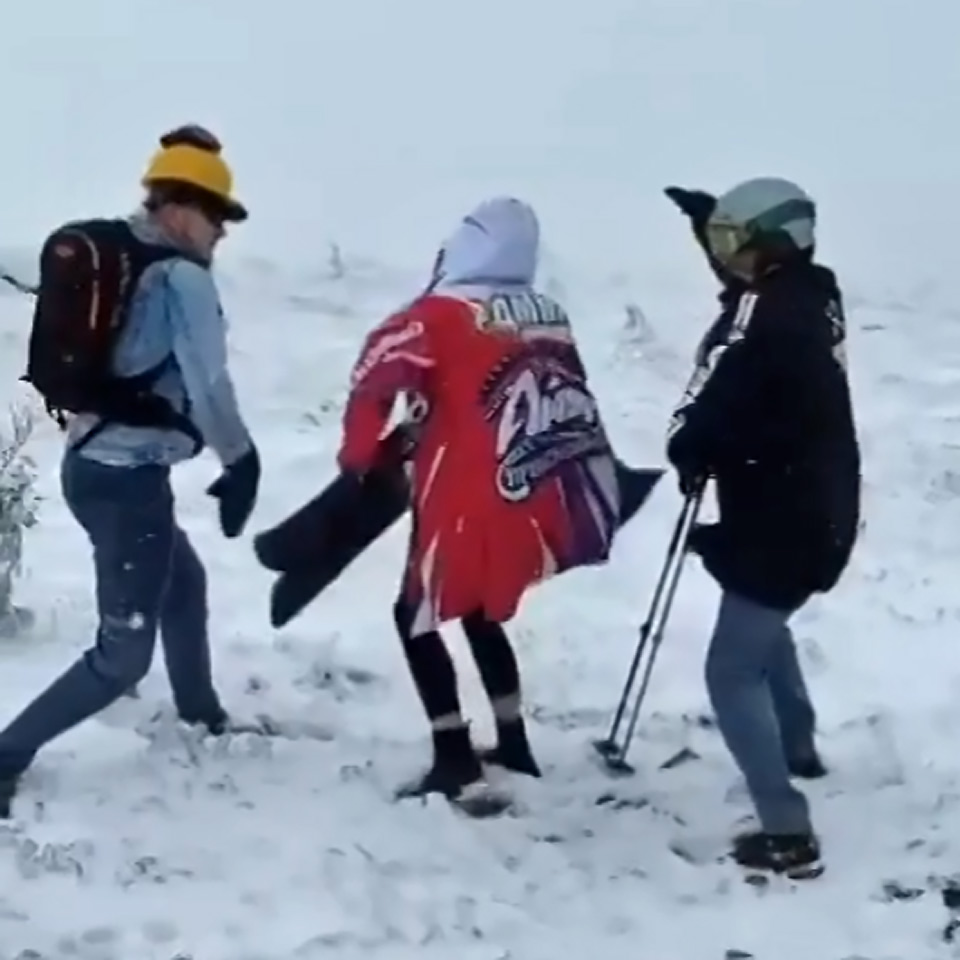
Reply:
x=513, y=478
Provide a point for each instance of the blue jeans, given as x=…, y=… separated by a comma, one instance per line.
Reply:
x=762, y=707
x=148, y=576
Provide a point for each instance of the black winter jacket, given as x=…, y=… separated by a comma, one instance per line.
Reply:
x=768, y=415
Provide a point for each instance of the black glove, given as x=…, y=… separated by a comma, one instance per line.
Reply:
x=685, y=458
x=691, y=481
x=698, y=205
x=398, y=446
x=236, y=489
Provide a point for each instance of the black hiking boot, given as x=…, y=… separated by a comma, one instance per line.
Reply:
x=794, y=855
x=8, y=793
x=217, y=724
x=457, y=775
x=809, y=767
x=512, y=751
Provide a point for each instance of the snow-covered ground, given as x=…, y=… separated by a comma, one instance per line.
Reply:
x=371, y=126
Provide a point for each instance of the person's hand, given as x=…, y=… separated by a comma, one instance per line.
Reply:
x=698, y=205
x=236, y=490
x=691, y=482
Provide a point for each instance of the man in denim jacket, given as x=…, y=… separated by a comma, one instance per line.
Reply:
x=117, y=484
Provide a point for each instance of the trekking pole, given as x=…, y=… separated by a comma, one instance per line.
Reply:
x=613, y=749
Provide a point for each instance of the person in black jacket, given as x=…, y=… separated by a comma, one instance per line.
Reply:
x=768, y=416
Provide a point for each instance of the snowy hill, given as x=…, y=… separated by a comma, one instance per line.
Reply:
x=359, y=134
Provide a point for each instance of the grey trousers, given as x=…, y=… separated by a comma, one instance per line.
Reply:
x=762, y=707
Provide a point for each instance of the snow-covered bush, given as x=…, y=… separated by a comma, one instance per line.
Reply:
x=18, y=500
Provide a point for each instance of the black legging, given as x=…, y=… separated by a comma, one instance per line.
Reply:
x=432, y=667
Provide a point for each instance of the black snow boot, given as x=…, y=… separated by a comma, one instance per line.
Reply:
x=795, y=855
x=512, y=751
x=8, y=793
x=809, y=767
x=457, y=775
x=217, y=724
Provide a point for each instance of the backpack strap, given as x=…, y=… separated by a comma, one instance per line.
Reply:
x=147, y=409
x=152, y=411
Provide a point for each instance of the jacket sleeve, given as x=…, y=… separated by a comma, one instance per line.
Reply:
x=725, y=415
x=199, y=333
x=712, y=421
x=761, y=392
x=398, y=357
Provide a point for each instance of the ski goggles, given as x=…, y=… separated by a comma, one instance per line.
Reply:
x=726, y=239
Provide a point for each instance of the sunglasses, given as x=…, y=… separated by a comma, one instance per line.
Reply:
x=214, y=212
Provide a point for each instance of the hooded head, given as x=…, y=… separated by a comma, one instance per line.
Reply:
x=496, y=247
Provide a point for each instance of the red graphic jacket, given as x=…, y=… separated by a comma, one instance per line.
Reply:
x=513, y=478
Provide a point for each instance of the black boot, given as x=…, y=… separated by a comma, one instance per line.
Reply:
x=512, y=751
x=218, y=723
x=455, y=766
x=795, y=855
x=809, y=767
x=8, y=793
x=457, y=775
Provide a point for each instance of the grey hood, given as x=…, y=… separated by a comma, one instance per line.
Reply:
x=496, y=247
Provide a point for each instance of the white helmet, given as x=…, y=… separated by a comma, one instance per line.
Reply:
x=767, y=214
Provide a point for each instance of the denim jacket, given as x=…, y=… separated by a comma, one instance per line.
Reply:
x=175, y=313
